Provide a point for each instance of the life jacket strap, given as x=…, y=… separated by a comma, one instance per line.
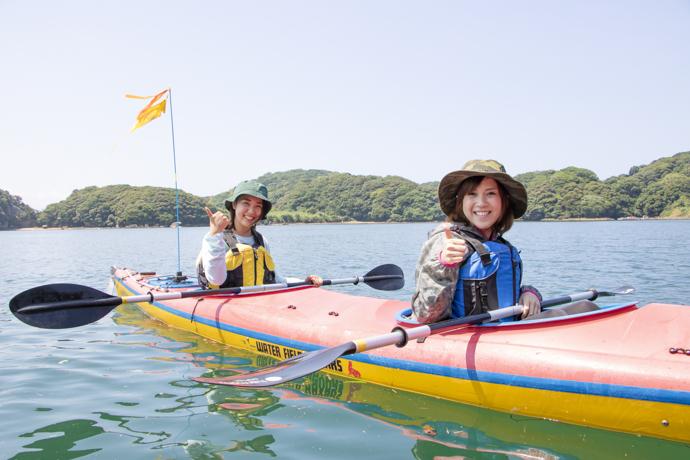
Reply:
x=231, y=241
x=484, y=255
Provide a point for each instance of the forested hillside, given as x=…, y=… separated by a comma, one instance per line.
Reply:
x=323, y=196
x=123, y=206
x=14, y=213
x=659, y=189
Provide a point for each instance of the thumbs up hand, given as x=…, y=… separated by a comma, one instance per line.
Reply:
x=454, y=249
x=217, y=221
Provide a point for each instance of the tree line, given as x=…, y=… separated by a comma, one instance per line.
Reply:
x=14, y=213
x=660, y=189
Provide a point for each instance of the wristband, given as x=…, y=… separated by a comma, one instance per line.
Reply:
x=531, y=290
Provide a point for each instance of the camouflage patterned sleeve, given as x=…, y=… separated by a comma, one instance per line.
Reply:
x=435, y=283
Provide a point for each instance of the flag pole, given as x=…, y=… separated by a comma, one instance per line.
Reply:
x=178, y=224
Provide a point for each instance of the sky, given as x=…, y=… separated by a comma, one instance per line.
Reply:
x=375, y=87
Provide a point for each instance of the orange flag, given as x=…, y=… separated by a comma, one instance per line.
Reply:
x=153, y=109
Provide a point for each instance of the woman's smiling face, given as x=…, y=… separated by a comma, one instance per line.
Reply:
x=483, y=206
x=248, y=211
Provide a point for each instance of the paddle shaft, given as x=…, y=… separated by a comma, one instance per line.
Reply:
x=356, y=279
x=159, y=296
x=592, y=294
x=400, y=336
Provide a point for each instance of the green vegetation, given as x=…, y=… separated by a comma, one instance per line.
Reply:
x=14, y=213
x=660, y=189
x=323, y=196
x=123, y=206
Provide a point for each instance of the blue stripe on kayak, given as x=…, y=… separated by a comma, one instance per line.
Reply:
x=567, y=386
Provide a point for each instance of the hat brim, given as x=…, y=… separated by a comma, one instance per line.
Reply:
x=448, y=190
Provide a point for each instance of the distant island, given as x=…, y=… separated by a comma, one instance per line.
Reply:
x=660, y=189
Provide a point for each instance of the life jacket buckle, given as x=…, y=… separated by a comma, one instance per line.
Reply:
x=483, y=294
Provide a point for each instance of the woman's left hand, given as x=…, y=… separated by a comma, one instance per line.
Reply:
x=315, y=280
x=532, y=304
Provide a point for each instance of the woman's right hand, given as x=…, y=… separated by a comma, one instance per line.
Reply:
x=316, y=280
x=454, y=249
x=217, y=221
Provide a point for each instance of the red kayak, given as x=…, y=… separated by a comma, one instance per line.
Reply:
x=622, y=368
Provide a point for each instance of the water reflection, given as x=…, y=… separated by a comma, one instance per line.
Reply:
x=138, y=436
x=207, y=450
x=245, y=408
x=70, y=432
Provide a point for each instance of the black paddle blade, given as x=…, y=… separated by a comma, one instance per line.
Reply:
x=284, y=371
x=61, y=306
x=387, y=277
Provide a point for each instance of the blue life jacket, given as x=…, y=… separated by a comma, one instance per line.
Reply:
x=490, y=278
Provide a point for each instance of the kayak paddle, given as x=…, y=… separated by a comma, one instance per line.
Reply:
x=310, y=362
x=61, y=306
x=591, y=294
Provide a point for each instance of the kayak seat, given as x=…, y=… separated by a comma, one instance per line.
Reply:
x=582, y=306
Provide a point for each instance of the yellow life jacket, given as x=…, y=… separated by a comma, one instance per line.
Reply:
x=246, y=265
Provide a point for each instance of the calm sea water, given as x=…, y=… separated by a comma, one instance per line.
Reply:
x=121, y=388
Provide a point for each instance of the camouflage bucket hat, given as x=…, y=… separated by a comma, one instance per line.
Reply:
x=448, y=188
x=252, y=188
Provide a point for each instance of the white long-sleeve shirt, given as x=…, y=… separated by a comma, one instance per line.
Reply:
x=212, y=256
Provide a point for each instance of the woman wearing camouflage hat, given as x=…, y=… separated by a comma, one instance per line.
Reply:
x=233, y=253
x=466, y=266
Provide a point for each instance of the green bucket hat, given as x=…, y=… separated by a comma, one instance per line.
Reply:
x=448, y=188
x=253, y=188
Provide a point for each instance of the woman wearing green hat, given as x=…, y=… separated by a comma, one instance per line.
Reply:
x=233, y=253
x=466, y=266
